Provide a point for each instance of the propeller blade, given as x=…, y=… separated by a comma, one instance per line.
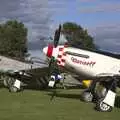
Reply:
x=57, y=36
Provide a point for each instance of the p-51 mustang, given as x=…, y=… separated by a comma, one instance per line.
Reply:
x=100, y=67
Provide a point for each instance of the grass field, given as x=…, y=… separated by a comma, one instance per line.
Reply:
x=37, y=105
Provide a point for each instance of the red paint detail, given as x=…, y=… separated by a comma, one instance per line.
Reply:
x=63, y=60
x=60, y=49
x=59, y=56
x=58, y=62
x=64, y=54
x=50, y=50
x=66, y=45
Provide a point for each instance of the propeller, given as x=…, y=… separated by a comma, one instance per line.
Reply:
x=53, y=67
x=52, y=62
x=57, y=36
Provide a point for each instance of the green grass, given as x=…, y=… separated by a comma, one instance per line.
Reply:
x=37, y=105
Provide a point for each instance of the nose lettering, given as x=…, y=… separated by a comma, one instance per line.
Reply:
x=82, y=62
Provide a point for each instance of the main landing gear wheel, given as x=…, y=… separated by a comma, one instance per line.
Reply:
x=87, y=96
x=13, y=89
x=5, y=83
x=103, y=107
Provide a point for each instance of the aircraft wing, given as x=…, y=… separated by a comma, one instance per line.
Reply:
x=35, y=72
x=11, y=66
x=8, y=64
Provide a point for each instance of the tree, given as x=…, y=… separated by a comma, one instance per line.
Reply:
x=13, y=39
x=77, y=36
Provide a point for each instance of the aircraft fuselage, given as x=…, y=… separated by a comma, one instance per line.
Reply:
x=85, y=62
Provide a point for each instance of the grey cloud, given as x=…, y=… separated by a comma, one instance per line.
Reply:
x=87, y=0
x=34, y=14
x=102, y=7
x=36, y=45
x=59, y=7
x=7, y=7
x=107, y=36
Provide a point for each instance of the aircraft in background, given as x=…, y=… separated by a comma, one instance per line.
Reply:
x=15, y=74
x=100, y=67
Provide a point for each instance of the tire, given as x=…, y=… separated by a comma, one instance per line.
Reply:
x=103, y=107
x=87, y=96
x=13, y=89
x=5, y=83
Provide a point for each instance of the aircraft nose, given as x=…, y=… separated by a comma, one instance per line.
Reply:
x=48, y=50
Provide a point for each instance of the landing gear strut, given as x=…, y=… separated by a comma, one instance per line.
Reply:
x=89, y=94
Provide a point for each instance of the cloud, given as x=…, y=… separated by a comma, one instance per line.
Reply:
x=101, y=7
x=107, y=36
x=87, y=0
x=37, y=15
x=33, y=13
x=38, y=54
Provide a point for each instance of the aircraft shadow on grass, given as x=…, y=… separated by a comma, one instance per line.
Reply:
x=54, y=94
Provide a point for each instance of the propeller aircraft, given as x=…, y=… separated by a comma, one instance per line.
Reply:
x=98, y=66
x=15, y=73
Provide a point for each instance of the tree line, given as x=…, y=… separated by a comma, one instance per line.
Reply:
x=13, y=38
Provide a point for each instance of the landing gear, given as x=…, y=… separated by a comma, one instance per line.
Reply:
x=106, y=103
x=104, y=98
x=7, y=81
x=87, y=96
x=103, y=107
x=16, y=86
x=13, y=89
x=54, y=79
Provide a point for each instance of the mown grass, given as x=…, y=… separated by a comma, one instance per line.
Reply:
x=39, y=105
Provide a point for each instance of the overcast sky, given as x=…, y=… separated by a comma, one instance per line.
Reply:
x=41, y=17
